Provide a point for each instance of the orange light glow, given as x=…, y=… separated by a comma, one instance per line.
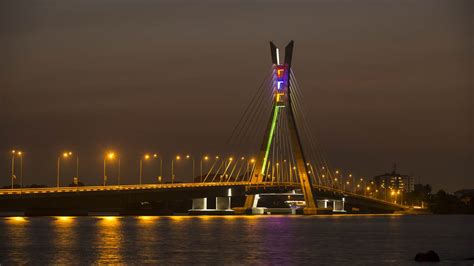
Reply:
x=280, y=72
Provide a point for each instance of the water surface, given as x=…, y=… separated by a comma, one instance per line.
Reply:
x=325, y=240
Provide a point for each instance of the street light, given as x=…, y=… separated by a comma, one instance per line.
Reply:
x=110, y=156
x=147, y=157
x=161, y=166
x=65, y=155
x=172, y=167
x=192, y=158
x=13, y=177
x=250, y=169
x=205, y=158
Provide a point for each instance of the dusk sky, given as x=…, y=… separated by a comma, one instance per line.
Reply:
x=384, y=81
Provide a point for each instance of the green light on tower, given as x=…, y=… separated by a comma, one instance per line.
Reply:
x=270, y=137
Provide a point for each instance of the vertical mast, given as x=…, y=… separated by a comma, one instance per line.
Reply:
x=282, y=99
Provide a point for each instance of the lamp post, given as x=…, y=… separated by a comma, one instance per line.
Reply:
x=13, y=177
x=20, y=154
x=13, y=167
x=172, y=167
x=146, y=157
x=110, y=156
x=65, y=155
x=250, y=170
x=353, y=182
x=205, y=158
x=161, y=167
x=192, y=158
x=77, y=170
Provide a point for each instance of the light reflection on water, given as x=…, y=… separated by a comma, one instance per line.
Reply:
x=370, y=239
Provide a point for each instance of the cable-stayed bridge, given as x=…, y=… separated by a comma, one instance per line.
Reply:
x=288, y=163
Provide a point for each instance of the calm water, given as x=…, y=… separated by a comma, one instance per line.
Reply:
x=347, y=240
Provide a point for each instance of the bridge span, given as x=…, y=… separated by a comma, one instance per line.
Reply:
x=170, y=198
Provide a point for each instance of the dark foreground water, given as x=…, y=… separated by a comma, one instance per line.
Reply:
x=323, y=240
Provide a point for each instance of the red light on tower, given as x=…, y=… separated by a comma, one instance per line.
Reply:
x=280, y=72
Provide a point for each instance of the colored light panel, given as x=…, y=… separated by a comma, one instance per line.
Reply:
x=280, y=73
x=278, y=56
x=279, y=85
x=270, y=138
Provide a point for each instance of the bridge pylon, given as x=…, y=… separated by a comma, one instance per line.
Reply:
x=282, y=103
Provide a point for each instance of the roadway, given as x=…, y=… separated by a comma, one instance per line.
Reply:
x=251, y=188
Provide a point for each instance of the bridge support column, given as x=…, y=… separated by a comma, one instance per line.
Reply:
x=199, y=204
x=338, y=205
x=223, y=203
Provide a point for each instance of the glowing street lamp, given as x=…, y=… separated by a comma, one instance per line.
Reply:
x=110, y=156
x=192, y=158
x=205, y=158
x=13, y=177
x=161, y=166
x=250, y=169
x=65, y=155
x=172, y=167
x=147, y=157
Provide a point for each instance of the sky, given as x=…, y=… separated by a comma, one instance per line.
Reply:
x=384, y=82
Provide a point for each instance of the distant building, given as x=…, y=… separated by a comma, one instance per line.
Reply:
x=465, y=195
x=393, y=182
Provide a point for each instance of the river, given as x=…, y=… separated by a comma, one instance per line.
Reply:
x=303, y=240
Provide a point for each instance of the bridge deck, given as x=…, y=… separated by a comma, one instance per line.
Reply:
x=290, y=185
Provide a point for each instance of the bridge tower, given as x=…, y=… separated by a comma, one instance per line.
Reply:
x=282, y=103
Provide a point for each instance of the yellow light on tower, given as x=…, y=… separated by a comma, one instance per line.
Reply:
x=230, y=159
x=252, y=160
x=147, y=156
x=337, y=171
x=368, y=188
x=178, y=157
x=65, y=155
x=111, y=155
x=206, y=158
